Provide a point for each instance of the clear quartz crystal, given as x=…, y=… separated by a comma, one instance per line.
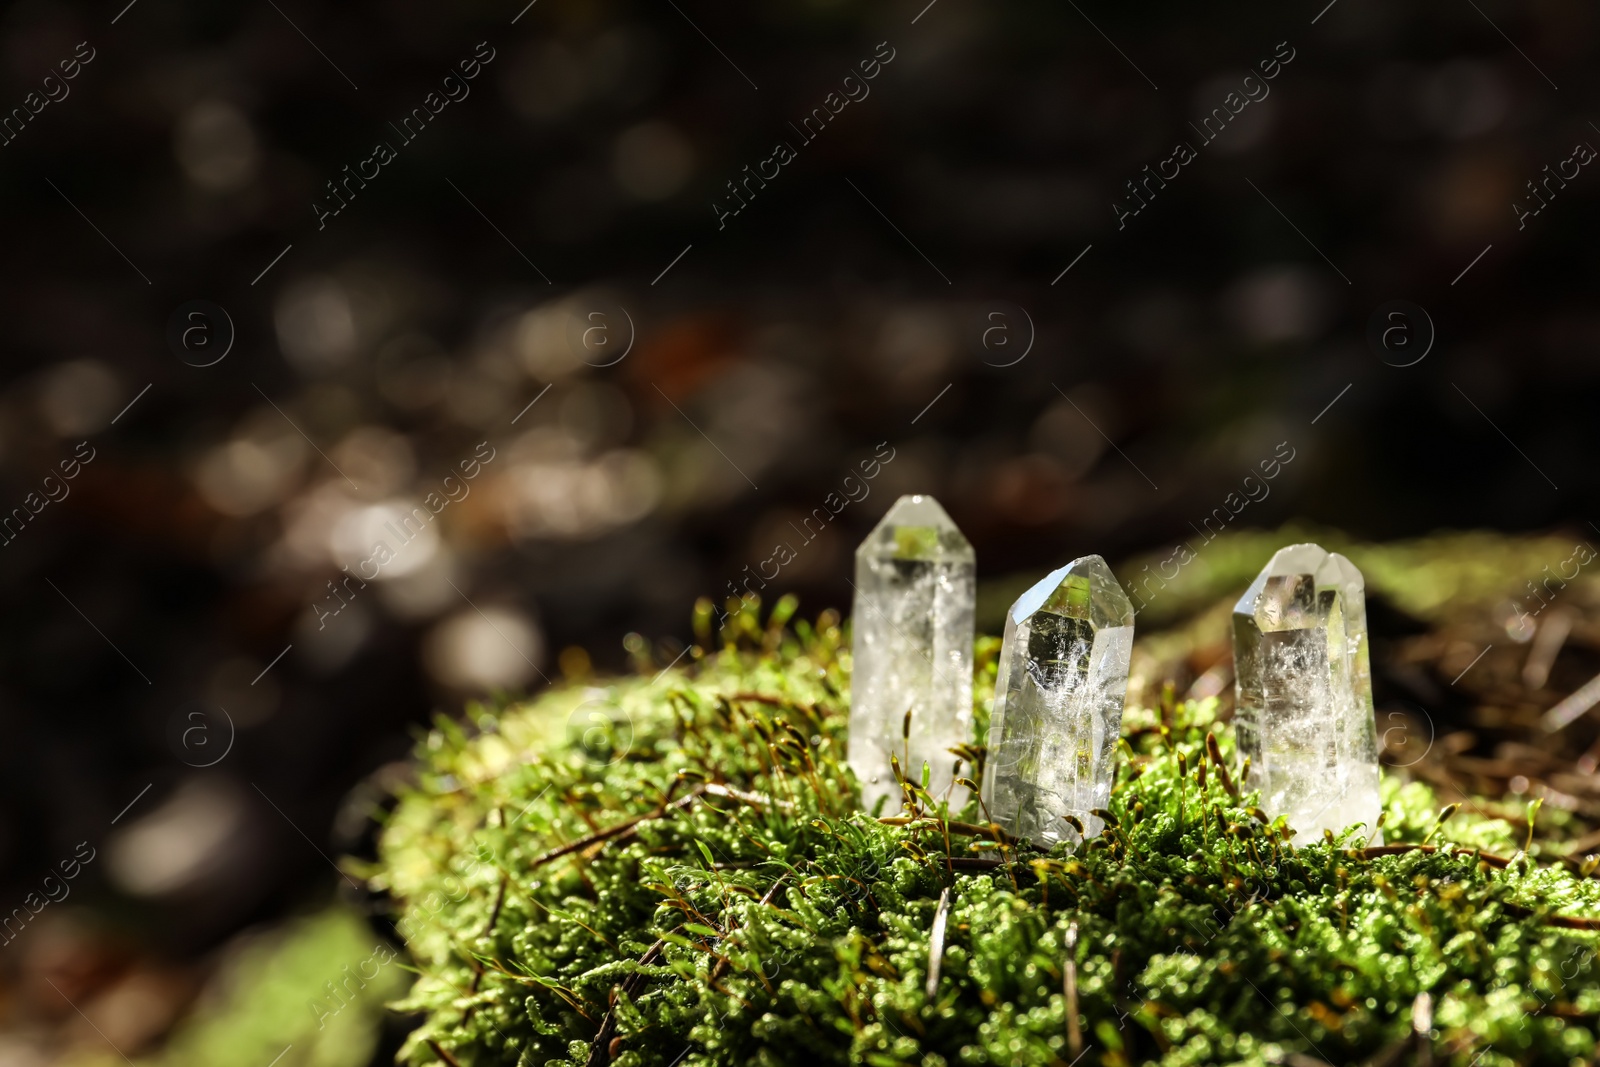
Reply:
x=1058, y=703
x=916, y=588
x=1305, y=693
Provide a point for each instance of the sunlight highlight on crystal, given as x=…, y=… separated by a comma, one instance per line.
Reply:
x=1305, y=692
x=913, y=625
x=1058, y=703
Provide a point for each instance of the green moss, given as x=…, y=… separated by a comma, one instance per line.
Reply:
x=767, y=920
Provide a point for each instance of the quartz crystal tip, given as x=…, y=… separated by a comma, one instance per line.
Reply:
x=1058, y=701
x=912, y=625
x=1304, y=713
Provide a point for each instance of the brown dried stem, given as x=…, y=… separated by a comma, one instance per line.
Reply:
x=970, y=829
x=600, y=1050
x=620, y=828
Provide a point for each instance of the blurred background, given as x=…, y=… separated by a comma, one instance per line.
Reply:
x=531, y=297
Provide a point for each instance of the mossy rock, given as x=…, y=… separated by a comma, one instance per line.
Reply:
x=674, y=870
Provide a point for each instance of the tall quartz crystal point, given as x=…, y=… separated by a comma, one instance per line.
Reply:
x=1058, y=703
x=915, y=594
x=1305, y=692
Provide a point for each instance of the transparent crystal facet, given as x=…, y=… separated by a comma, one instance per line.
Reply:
x=1305, y=692
x=912, y=624
x=1058, y=703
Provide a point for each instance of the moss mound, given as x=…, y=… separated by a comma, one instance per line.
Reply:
x=673, y=870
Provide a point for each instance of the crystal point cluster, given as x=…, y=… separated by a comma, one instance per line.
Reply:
x=1304, y=713
x=912, y=652
x=1058, y=703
